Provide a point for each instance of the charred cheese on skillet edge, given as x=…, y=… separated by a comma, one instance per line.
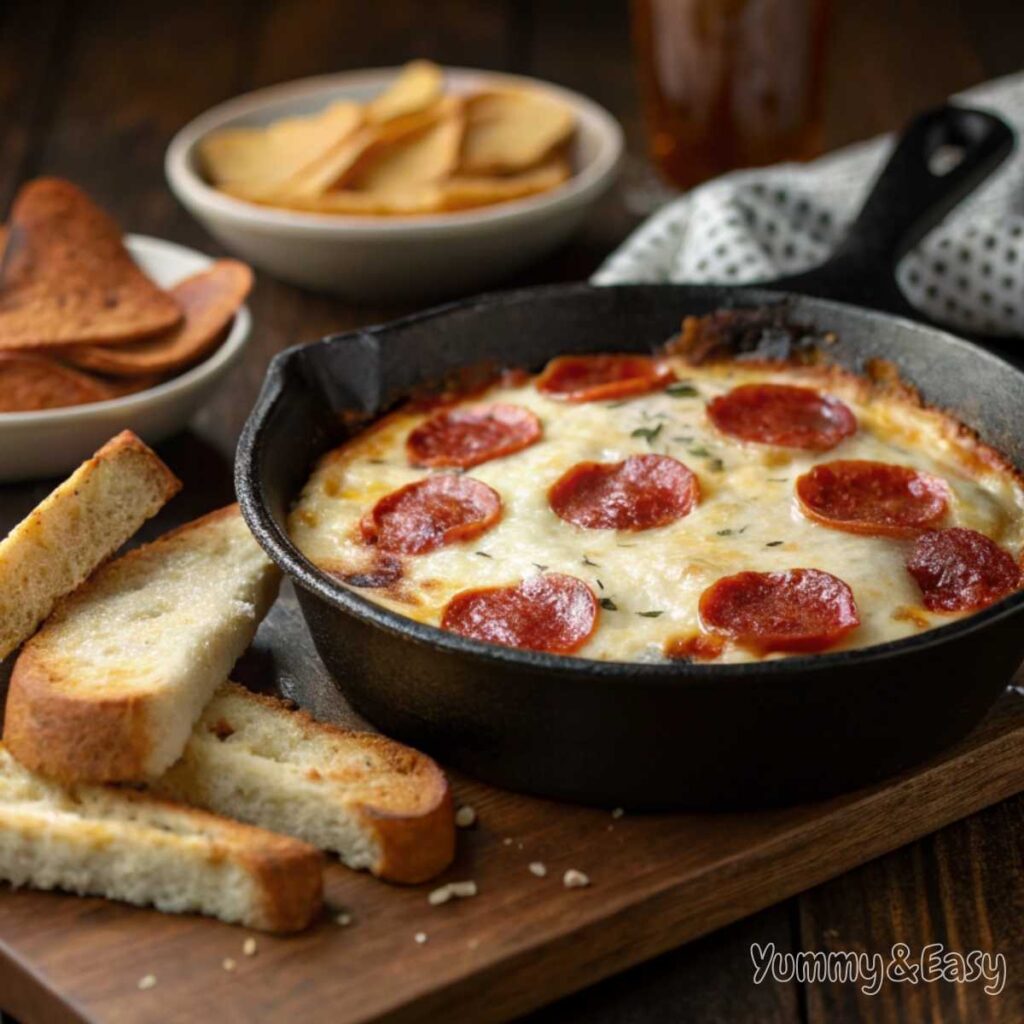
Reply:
x=747, y=507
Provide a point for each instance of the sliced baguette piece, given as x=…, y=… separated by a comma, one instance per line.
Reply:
x=378, y=804
x=125, y=845
x=79, y=525
x=111, y=686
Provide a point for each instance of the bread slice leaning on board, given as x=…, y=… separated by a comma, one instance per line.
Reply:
x=379, y=805
x=130, y=846
x=76, y=528
x=111, y=686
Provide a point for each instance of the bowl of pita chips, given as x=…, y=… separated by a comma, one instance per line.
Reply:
x=101, y=332
x=396, y=183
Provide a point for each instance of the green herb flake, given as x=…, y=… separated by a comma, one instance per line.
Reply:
x=653, y=614
x=699, y=452
x=777, y=479
x=730, y=533
x=609, y=605
x=716, y=465
x=774, y=543
x=600, y=585
x=648, y=433
x=537, y=565
x=682, y=389
x=483, y=554
x=587, y=561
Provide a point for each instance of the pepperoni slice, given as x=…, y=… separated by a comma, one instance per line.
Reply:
x=550, y=612
x=860, y=496
x=430, y=513
x=595, y=378
x=797, y=610
x=468, y=436
x=961, y=570
x=784, y=415
x=640, y=493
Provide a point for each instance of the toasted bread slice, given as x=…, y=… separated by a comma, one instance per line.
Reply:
x=82, y=523
x=110, y=688
x=124, y=845
x=379, y=805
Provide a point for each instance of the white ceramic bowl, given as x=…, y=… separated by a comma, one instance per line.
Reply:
x=52, y=442
x=394, y=258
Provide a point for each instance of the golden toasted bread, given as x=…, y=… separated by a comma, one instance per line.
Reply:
x=379, y=805
x=76, y=528
x=125, y=845
x=110, y=688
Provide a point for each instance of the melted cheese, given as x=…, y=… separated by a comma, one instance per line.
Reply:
x=747, y=519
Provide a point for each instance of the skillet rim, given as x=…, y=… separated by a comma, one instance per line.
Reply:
x=277, y=544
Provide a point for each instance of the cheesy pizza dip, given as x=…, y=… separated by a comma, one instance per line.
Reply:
x=634, y=508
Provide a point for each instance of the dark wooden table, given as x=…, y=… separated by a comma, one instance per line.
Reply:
x=94, y=90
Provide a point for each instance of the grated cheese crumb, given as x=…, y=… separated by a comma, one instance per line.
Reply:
x=420, y=937
x=444, y=893
x=147, y=981
x=229, y=964
x=249, y=946
x=574, y=879
x=465, y=816
x=538, y=869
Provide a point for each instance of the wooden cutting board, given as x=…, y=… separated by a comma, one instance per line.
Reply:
x=656, y=881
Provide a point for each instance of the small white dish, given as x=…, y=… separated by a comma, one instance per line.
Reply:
x=372, y=259
x=51, y=442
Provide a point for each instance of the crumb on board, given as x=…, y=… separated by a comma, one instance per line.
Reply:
x=618, y=812
x=344, y=919
x=574, y=879
x=538, y=868
x=147, y=981
x=507, y=841
x=443, y=893
x=465, y=816
x=229, y=964
x=249, y=946
x=420, y=937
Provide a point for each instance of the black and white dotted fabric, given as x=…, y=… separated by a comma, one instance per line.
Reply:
x=762, y=224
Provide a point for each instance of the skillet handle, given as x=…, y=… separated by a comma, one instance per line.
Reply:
x=911, y=195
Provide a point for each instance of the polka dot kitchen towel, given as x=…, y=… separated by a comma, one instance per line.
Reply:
x=760, y=224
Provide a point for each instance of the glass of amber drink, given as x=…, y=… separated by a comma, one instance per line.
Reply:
x=730, y=83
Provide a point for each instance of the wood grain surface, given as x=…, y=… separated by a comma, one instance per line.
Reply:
x=94, y=89
x=657, y=880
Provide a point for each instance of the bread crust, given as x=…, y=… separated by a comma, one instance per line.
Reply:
x=415, y=849
x=70, y=736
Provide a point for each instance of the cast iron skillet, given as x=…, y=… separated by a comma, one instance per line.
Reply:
x=647, y=735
